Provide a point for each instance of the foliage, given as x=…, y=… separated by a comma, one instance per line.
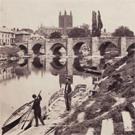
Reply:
x=27, y=30
x=97, y=24
x=86, y=28
x=9, y=51
x=77, y=32
x=123, y=31
x=55, y=35
x=41, y=31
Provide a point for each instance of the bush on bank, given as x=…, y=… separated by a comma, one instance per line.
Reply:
x=9, y=51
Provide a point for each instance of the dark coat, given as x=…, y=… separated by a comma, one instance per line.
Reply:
x=36, y=105
x=68, y=89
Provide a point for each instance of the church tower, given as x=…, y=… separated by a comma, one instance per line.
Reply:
x=65, y=20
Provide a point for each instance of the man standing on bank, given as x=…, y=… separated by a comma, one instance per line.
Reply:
x=37, y=109
x=67, y=94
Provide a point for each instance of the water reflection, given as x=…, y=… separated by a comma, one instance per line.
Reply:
x=22, y=62
x=77, y=65
x=37, y=63
x=19, y=80
x=58, y=63
x=56, y=66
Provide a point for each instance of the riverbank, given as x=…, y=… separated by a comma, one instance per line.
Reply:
x=111, y=106
x=8, y=51
x=108, y=109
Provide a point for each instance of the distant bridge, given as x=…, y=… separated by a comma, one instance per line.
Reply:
x=97, y=45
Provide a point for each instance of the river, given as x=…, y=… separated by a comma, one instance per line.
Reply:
x=20, y=79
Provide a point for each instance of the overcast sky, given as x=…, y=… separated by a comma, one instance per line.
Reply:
x=32, y=13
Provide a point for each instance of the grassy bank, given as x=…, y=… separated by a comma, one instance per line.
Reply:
x=107, y=104
x=9, y=51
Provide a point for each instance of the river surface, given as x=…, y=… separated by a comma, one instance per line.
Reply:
x=20, y=79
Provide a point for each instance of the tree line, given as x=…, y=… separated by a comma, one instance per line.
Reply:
x=121, y=31
x=96, y=29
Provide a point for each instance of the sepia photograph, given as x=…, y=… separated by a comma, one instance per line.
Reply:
x=67, y=67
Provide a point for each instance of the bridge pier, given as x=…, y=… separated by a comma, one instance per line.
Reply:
x=48, y=51
x=70, y=52
x=95, y=46
x=70, y=66
x=30, y=51
x=123, y=45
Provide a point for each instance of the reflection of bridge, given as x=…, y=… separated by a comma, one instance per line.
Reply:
x=72, y=45
x=40, y=64
x=68, y=66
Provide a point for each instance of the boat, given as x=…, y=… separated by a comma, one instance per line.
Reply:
x=92, y=71
x=12, y=59
x=26, y=56
x=19, y=117
x=3, y=59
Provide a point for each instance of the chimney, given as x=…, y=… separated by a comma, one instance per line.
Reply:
x=60, y=13
x=70, y=13
x=65, y=12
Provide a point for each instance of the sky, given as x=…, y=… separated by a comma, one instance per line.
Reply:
x=33, y=13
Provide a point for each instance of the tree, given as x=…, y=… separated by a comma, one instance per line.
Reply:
x=86, y=28
x=100, y=24
x=94, y=24
x=55, y=35
x=77, y=32
x=123, y=31
x=97, y=24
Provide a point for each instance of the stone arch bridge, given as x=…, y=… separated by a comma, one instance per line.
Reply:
x=97, y=45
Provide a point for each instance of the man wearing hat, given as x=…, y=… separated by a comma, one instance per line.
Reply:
x=37, y=109
x=67, y=93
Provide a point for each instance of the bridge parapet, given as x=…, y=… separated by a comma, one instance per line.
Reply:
x=21, y=43
x=109, y=38
x=130, y=38
x=42, y=42
x=81, y=39
x=56, y=40
x=114, y=40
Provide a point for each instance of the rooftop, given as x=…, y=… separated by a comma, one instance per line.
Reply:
x=4, y=29
x=22, y=33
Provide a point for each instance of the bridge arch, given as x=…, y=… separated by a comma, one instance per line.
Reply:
x=77, y=47
x=36, y=48
x=23, y=48
x=57, y=64
x=23, y=63
x=77, y=65
x=58, y=49
x=108, y=48
x=37, y=63
x=131, y=48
